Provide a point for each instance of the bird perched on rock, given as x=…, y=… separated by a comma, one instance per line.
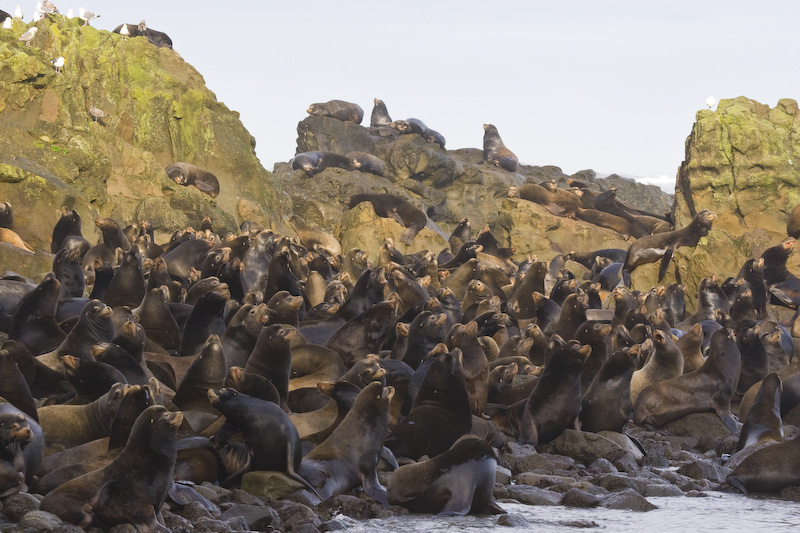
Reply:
x=70, y=14
x=48, y=5
x=18, y=13
x=142, y=27
x=28, y=35
x=58, y=63
x=7, y=23
x=46, y=8
x=97, y=113
x=86, y=16
x=124, y=32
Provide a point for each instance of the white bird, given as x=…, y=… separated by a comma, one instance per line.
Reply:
x=28, y=35
x=70, y=14
x=58, y=63
x=124, y=32
x=37, y=16
x=50, y=6
x=46, y=8
x=7, y=23
x=86, y=16
x=710, y=101
x=18, y=13
x=97, y=113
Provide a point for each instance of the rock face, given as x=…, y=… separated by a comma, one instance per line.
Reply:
x=52, y=153
x=447, y=184
x=741, y=163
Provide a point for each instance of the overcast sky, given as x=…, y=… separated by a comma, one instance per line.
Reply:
x=608, y=85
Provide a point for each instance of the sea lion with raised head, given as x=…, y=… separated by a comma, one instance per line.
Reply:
x=495, y=152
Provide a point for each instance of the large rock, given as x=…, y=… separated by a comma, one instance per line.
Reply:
x=160, y=112
x=740, y=163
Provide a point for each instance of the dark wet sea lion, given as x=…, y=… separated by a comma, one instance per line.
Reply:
x=391, y=206
x=350, y=455
x=207, y=318
x=33, y=322
x=21, y=449
x=271, y=439
x=93, y=326
x=555, y=403
x=187, y=174
x=155, y=37
x=338, y=109
x=272, y=358
x=441, y=412
x=131, y=488
x=208, y=371
x=709, y=388
x=158, y=322
x=495, y=152
x=607, y=405
x=456, y=482
x=763, y=422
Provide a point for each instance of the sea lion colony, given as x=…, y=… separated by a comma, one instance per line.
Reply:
x=406, y=357
x=189, y=318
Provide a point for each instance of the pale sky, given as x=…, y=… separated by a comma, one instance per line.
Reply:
x=608, y=85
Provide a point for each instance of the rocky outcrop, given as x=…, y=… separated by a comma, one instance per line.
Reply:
x=741, y=163
x=53, y=153
x=447, y=184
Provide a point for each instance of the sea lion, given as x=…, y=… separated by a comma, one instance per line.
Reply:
x=33, y=323
x=350, y=455
x=434, y=137
x=456, y=482
x=391, y=206
x=312, y=238
x=793, y=223
x=555, y=403
x=11, y=237
x=380, y=115
x=272, y=358
x=187, y=174
x=409, y=125
x=157, y=38
x=495, y=152
x=441, y=412
x=365, y=162
x=131, y=488
x=769, y=469
x=607, y=404
x=315, y=162
x=665, y=363
x=94, y=325
x=271, y=438
x=21, y=449
x=6, y=216
x=661, y=246
x=763, y=422
x=312, y=363
x=338, y=109
x=709, y=388
x=365, y=333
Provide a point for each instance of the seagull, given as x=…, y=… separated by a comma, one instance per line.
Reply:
x=50, y=7
x=70, y=14
x=37, y=16
x=124, y=32
x=7, y=23
x=46, y=9
x=58, y=63
x=710, y=101
x=28, y=35
x=86, y=16
x=142, y=27
x=97, y=113
x=18, y=13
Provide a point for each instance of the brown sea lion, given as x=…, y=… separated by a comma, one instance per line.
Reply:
x=769, y=469
x=763, y=422
x=456, y=482
x=391, y=206
x=661, y=246
x=315, y=162
x=338, y=109
x=187, y=174
x=709, y=388
x=350, y=455
x=380, y=115
x=365, y=162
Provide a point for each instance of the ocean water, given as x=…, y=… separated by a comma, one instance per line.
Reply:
x=716, y=512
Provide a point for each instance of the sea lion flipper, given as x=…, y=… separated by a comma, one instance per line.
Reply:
x=185, y=494
x=373, y=488
x=554, y=209
x=407, y=237
x=460, y=500
x=388, y=456
x=665, y=261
